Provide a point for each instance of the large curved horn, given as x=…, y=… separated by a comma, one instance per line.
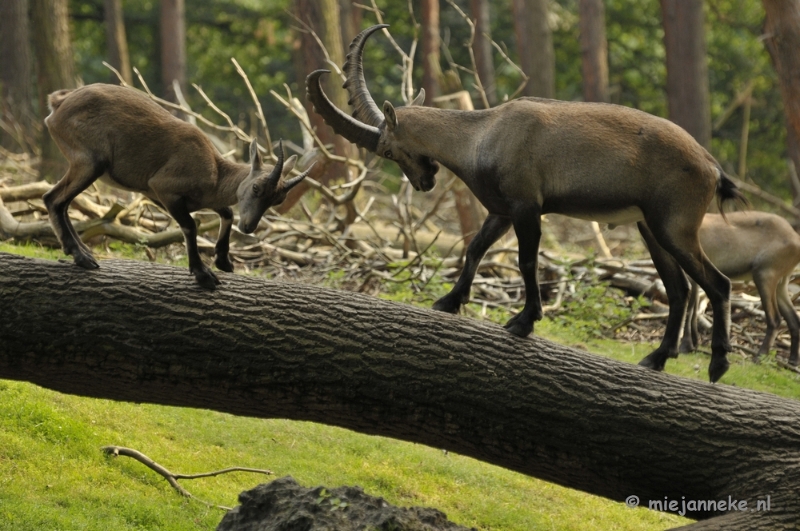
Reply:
x=364, y=135
x=271, y=180
x=364, y=107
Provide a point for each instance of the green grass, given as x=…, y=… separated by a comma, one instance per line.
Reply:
x=53, y=475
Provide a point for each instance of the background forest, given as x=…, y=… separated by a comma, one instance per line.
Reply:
x=726, y=70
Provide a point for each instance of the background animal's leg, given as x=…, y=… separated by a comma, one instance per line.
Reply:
x=680, y=240
x=792, y=321
x=222, y=260
x=491, y=231
x=677, y=289
x=79, y=176
x=691, y=337
x=180, y=212
x=767, y=285
x=528, y=227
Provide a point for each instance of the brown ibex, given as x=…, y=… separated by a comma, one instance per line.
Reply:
x=756, y=246
x=122, y=136
x=532, y=156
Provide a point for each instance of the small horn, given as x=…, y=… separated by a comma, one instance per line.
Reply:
x=274, y=176
x=294, y=181
x=365, y=109
x=366, y=136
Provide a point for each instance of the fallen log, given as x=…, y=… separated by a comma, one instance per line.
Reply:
x=145, y=333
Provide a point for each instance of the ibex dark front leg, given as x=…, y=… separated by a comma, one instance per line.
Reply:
x=528, y=227
x=179, y=211
x=79, y=176
x=222, y=260
x=491, y=231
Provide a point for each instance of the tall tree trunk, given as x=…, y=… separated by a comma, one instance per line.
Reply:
x=482, y=48
x=431, y=53
x=173, y=47
x=782, y=30
x=142, y=332
x=15, y=71
x=55, y=69
x=535, y=47
x=594, y=50
x=687, y=68
x=117, y=41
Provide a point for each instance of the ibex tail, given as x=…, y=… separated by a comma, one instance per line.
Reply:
x=728, y=191
x=55, y=99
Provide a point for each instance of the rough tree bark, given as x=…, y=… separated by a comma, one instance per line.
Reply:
x=594, y=50
x=782, y=39
x=535, y=47
x=431, y=54
x=687, y=68
x=143, y=332
x=173, y=47
x=55, y=69
x=15, y=66
x=117, y=41
x=482, y=48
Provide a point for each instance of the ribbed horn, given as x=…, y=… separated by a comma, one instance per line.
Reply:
x=274, y=176
x=291, y=183
x=364, y=135
x=364, y=107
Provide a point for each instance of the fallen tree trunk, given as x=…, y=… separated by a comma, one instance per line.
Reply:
x=144, y=332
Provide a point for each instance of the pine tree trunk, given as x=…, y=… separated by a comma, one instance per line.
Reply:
x=782, y=31
x=535, y=47
x=431, y=54
x=687, y=68
x=173, y=47
x=144, y=332
x=15, y=70
x=55, y=70
x=482, y=48
x=117, y=41
x=594, y=50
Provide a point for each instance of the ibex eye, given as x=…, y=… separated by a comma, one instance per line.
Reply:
x=255, y=189
x=387, y=154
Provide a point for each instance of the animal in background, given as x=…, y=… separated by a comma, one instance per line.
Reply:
x=532, y=156
x=120, y=135
x=756, y=246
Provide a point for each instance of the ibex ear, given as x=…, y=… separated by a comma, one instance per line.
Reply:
x=255, y=156
x=288, y=166
x=420, y=99
x=390, y=115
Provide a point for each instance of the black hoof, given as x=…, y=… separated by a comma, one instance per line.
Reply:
x=519, y=325
x=447, y=304
x=223, y=263
x=655, y=360
x=206, y=278
x=85, y=261
x=717, y=367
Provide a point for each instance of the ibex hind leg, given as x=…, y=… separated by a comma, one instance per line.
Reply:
x=79, y=176
x=686, y=250
x=222, y=260
x=491, y=231
x=766, y=282
x=677, y=288
x=792, y=321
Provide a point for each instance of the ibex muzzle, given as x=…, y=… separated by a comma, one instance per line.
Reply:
x=120, y=134
x=533, y=156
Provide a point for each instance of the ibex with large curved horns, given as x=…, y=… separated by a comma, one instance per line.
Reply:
x=121, y=135
x=532, y=156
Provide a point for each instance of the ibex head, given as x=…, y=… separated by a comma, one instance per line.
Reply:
x=378, y=131
x=264, y=188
